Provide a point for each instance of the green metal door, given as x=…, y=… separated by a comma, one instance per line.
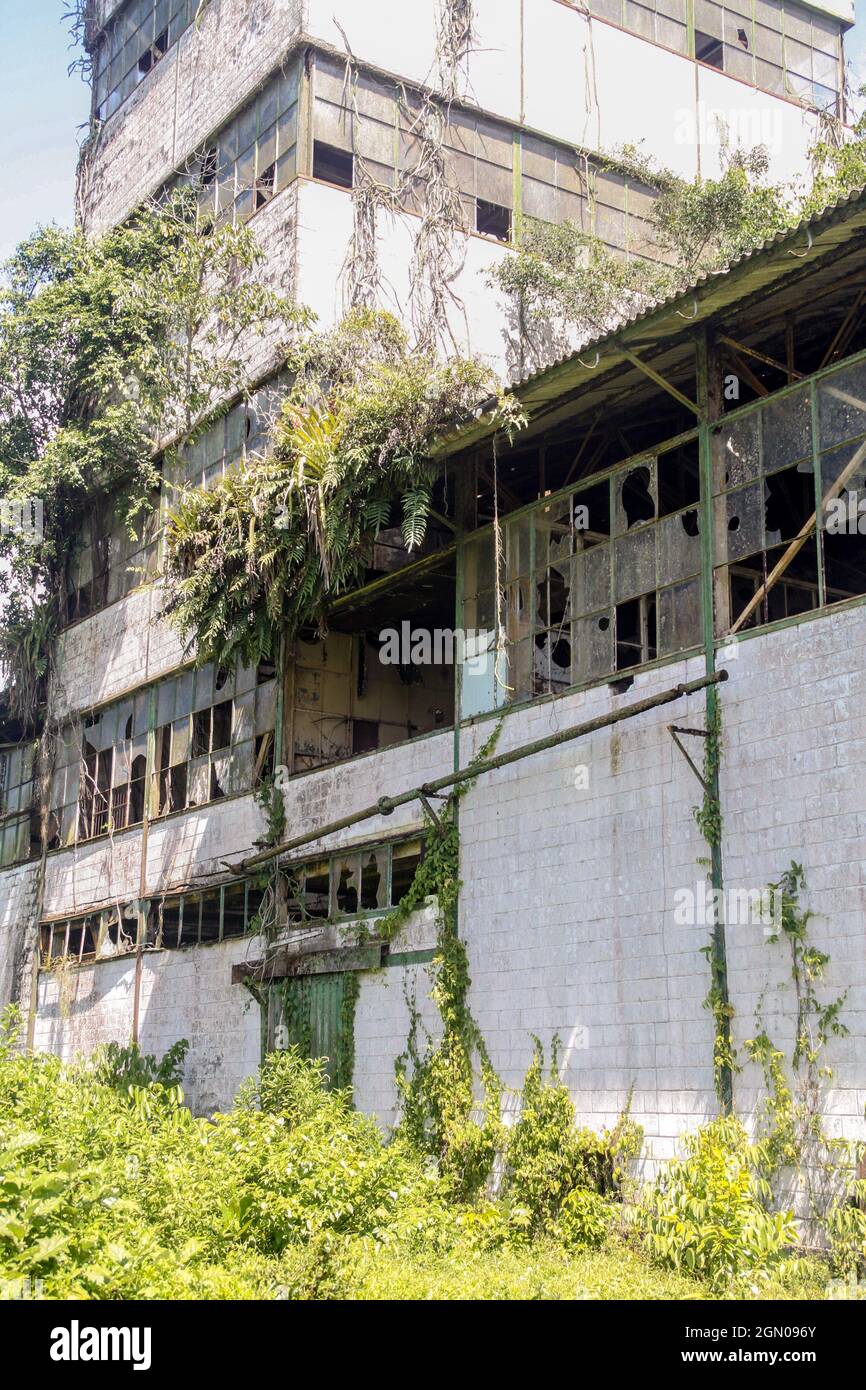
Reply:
x=307, y=1011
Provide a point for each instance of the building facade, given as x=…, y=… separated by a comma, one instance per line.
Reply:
x=661, y=519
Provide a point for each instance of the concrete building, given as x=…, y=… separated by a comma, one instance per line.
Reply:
x=658, y=525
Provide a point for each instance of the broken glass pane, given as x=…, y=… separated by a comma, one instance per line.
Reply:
x=837, y=462
x=736, y=453
x=374, y=880
x=518, y=534
x=241, y=767
x=679, y=546
x=520, y=671
x=679, y=611
x=786, y=430
x=591, y=579
x=478, y=566
x=842, y=406
x=552, y=532
x=740, y=522
x=266, y=704
x=789, y=503
x=593, y=647
x=636, y=496
x=635, y=564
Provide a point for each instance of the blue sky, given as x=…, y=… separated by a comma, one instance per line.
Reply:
x=42, y=110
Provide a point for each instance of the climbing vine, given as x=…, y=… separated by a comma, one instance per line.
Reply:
x=708, y=816
x=792, y=1115
x=436, y=1078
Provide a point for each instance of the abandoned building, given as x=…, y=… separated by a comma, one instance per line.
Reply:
x=649, y=561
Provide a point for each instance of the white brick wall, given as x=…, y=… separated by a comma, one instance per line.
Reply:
x=567, y=910
x=568, y=899
x=794, y=727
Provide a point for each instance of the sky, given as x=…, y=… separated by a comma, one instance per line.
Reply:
x=43, y=111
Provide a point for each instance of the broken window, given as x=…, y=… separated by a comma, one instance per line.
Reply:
x=492, y=220
x=102, y=935
x=348, y=698
x=109, y=562
x=598, y=580
x=106, y=755
x=353, y=883
x=203, y=917
x=214, y=735
x=709, y=50
x=135, y=40
x=243, y=432
x=772, y=558
x=332, y=165
x=357, y=883
x=251, y=158
x=19, y=823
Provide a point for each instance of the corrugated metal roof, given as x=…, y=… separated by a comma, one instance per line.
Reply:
x=705, y=278
x=760, y=270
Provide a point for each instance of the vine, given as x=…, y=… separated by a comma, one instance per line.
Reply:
x=436, y=1082
x=792, y=1113
x=708, y=818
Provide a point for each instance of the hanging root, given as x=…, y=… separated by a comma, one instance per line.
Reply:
x=440, y=245
x=453, y=44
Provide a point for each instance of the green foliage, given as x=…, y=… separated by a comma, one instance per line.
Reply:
x=563, y=278
x=846, y=1228
x=547, y=1156
x=838, y=163
x=566, y=283
x=549, y=1160
x=110, y=346
x=128, y=1067
x=270, y=544
x=706, y=1214
x=584, y=1219
x=436, y=1084
x=708, y=816
x=791, y=1118
x=705, y=224
x=110, y=1188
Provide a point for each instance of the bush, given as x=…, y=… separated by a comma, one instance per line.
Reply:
x=548, y=1157
x=115, y=1189
x=705, y=1214
x=846, y=1228
x=584, y=1219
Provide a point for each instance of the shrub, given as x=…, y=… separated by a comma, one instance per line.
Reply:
x=584, y=1219
x=705, y=1214
x=547, y=1156
x=846, y=1228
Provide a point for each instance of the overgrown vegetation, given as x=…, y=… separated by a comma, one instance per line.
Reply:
x=110, y=1188
x=436, y=1078
x=264, y=548
x=111, y=349
x=797, y=1151
x=566, y=285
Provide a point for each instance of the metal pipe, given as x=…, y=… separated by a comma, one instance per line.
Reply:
x=386, y=804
